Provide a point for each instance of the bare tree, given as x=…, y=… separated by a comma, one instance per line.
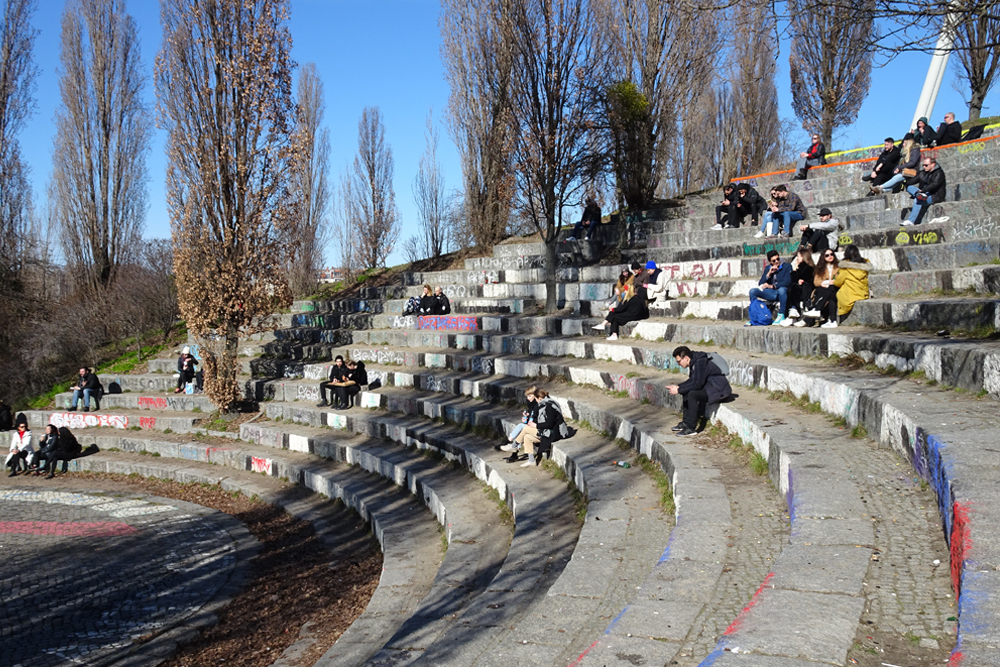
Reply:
x=413, y=249
x=223, y=79
x=103, y=132
x=430, y=195
x=976, y=35
x=369, y=200
x=310, y=184
x=478, y=56
x=830, y=63
x=17, y=84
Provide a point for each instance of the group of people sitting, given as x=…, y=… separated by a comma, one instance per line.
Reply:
x=430, y=302
x=635, y=290
x=58, y=444
x=808, y=292
x=542, y=423
x=344, y=382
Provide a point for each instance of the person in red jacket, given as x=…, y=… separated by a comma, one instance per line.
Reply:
x=815, y=156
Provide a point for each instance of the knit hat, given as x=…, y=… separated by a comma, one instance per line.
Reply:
x=186, y=350
x=636, y=266
x=908, y=136
x=825, y=211
x=651, y=264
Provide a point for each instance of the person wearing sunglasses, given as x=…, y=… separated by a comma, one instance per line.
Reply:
x=22, y=449
x=823, y=304
x=815, y=156
x=774, y=283
x=930, y=187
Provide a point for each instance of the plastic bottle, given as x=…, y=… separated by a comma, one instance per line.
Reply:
x=623, y=464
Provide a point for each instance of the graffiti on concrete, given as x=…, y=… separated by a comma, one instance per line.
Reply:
x=147, y=423
x=758, y=249
x=78, y=420
x=450, y=322
x=148, y=403
x=307, y=393
x=261, y=465
x=972, y=148
x=379, y=356
x=974, y=229
x=482, y=277
x=506, y=263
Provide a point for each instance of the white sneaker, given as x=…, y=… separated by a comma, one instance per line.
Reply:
x=613, y=337
x=509, y=448
x=800, y=323
x=793, y=312
x=787, y=322
x=829, y=325
x=759, y=235
x=570, y=238
x=527, y=463
x=906, y=223
x=598, y=327
x=717, y=226
x=812, y=313
x=780, y=320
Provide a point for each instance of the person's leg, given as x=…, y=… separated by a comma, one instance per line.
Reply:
x=577, y=229
x=919, y=210
x=86, y=399
x=782, y=300
x=76, y=399
x=339, y=397
x=800, y=168
x=719, y=210
x=349, y=394
x=735, y=216
x=892, y=182
x=322, y=393
x=831, y=306
x=755, y=293
x=694, y=407
x=528, y=439
x=788, y=217
x=516, y=431
x=180, y=380
x=820, y=242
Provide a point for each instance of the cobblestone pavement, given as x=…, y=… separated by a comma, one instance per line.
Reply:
x=87, y=573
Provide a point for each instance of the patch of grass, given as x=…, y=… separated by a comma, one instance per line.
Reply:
x=196, y=409
x=859, y=431
x=662, y=483
x=579, y=500
x=153, y=454
x=620, y=394
x=631, y=374
x=838, y=421
x=135, y=428
x=167, y=430
x=758, y=464
x=444, y=539
x=981, y=393
x=506, y=516
x=644, y=401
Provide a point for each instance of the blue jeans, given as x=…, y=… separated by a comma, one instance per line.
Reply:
x=578, y=230
x=516, y=431
x=86, y=397
x=780, y=295
x=892, y=182
x=789, y=217
x=769, y=223
x=917, y=214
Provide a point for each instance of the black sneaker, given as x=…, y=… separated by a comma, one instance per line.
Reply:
x=322, y=404
x=687, y=431
x=677, y=427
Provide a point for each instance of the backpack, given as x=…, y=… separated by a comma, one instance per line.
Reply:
x=720, y=361
x=760, y=314
x=412, y=306
x=560, y=430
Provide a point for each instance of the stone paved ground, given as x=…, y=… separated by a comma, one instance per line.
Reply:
x=87, y=572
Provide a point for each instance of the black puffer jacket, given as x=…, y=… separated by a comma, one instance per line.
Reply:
x=703, y=374
x=933, y=183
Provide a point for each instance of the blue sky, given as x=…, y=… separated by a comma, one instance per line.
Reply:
x=386, y=53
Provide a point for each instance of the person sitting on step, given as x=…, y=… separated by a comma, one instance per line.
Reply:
x=906, y=170
x=851, y=280
x=620, y=288
x=590, y=220
x=949, y=131
x=634, y=308
x=801, y=289
x=887, y=161
x=813, y=157
x=924, y=134
x=655, y=282
x=527, y=437
x=427, y=301
x=823, y=305
x=819, y=236
x=771, y=220
x=750, y=203
x=334, y=380
x=88, y=386
x=706, y=385
x=355, y=378
x=725, y=213
x=930, y=187
x=22, y=448
x=442, y=306
x=790, y=209
x=774, y=283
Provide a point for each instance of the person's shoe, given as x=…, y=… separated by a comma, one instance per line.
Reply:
x=86, y=409
x=528, y=464
x=877, y=190
x=72, y=408
x=717, y=226
x=686, y=431
x=793, y=312
x=613, y=337
x=800, y=323
x=570, y=238
x=759, y=235
x=866, y=178
x=907, y=223
x=598, y=327
x=829, y=325
x=679, y=426
x=812, y=313
x=322, y=404
x=13, y=473
x=509, y=448
x=779, y=319
x=177, y=391
x=785, y=322
x=51, y=475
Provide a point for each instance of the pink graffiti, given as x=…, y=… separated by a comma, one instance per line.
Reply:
x=147, y=422
x=467, y=323
x=258, y=464
x=152, y=403
x=77, y=420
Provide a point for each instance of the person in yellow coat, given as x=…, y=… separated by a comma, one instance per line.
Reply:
x=851, y=280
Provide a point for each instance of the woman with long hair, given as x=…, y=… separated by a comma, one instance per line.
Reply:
x=909, y=159
x=801, y=289
x=852, y=280
x=823, y=304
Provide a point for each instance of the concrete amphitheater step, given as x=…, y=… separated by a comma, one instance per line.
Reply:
x=409, y=540
x=789, y=567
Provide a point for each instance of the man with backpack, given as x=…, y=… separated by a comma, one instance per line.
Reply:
x=773, y=286
x=706, y=384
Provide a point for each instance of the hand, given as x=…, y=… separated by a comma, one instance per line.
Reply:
x=672, y=389
x=531, y=424
x=645, y=284
x=801, y=282
x=803, y=154
x=803, y=228
x=825, y=283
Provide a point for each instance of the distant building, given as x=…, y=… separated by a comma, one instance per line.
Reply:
x=330, y=275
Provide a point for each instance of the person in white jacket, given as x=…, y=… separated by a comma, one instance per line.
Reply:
x=655, y=282
x=21, y=449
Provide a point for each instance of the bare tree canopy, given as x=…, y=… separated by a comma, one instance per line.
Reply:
x=976, y=35
x=17, y=85
x=223, y=80
x=103, y=132
x=478, y=56
x=370, y=201
x=310, y=185
x=830, y=63
x=430, y=195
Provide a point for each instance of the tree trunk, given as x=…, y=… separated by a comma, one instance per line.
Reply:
x=976, y=106
x=551, y=298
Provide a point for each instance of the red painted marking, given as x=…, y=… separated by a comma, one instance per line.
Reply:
x=147, y=422
x=961, y=541
x=152, y=403
x=735, y=625
x=956, y=659
x=582, y=655
x=76, y=529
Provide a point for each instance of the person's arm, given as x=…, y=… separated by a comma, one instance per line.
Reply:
x=932, y=184
x=697, y=376
x=783, y=278
x=840, y=278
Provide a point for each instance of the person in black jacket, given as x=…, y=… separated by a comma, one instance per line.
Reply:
x=6, y=417
x=60, y=445
x=909, y=159
x=427, y=301
x=750, y=203
x=725, y=212
x=334, y=380
x=355, y=378
x=815, y=156
x=705, y=385
x=186, y=364
x=924, y=134
x=949, y=132
x=590, y=219
x=88, y=386
x=442, y=306
x=930, y=187
x=887, y=161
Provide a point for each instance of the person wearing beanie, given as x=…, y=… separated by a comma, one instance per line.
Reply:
x=822, y=235
x=655, y=282
x=924, y=134
x=887, y=161
x=185, y=369
x=906, y=170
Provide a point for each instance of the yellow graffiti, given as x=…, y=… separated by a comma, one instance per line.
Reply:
x=845, y=239
x=902, y=238
x=972, y=148
x=925, y=237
